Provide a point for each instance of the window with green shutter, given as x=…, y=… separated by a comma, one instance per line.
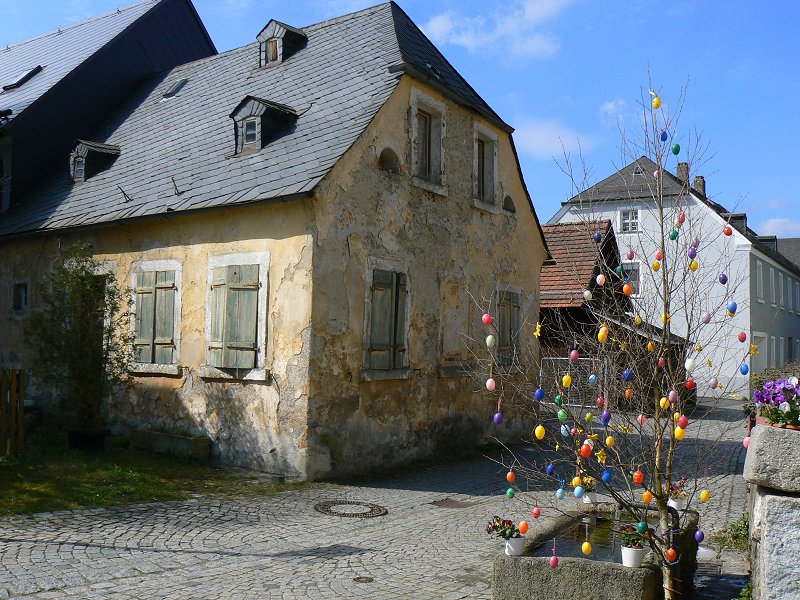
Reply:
x=387, y=337
x=508, y=327
x=154, y=329
x=233, y=339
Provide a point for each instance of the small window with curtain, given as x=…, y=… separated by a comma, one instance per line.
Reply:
x=387, y=328
x=508, y=327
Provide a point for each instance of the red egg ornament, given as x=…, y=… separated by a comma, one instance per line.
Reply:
x=683, y=421
x=536, y=512
x=487, y=319
x=727, y=231
x=659, y=254
x=630, y=254
x=690, y=384
x=671, y=555
x=600, y=402
x=638, y=477
x=742, y=337
x=662, y=361
x=586, y=451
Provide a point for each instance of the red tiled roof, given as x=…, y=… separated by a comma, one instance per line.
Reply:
x=575, y=258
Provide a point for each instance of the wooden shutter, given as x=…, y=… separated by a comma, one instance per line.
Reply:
x=399, y=346
x=241, y=317
x=164, y=327
x=216, y=345
x=382, y=322
x=145, y=314
x=508, y=326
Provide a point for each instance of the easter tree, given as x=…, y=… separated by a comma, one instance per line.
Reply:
x=616, y=409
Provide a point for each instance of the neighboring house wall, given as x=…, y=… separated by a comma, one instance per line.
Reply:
x=255, y=422
x=447, y=246
x=716, y=253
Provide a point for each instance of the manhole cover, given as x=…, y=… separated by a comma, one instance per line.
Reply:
x=363, y=579
x=372, y=510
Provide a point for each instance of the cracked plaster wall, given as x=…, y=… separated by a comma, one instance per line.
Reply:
x=448, y=246
x=257, y=424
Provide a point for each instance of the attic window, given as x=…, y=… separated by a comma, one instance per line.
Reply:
x=90, y=158
x=79, y=169
x=250, y=131
x=20, y=79
x=434, y=70
x=175, y=88
x=259, y=122
x=277, y=42
x=272, y=50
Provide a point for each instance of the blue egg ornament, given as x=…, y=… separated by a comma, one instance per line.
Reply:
x=592, y=379
x=607, y=475
x=560, y=493
x=578, y=492
x=744, y=369
x=551, y=468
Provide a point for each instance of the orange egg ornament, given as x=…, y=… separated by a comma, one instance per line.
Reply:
x=629, y=393
x=511, y=476
x=671, y=555
x=647, y=497
x=523, y=527
x=627, y=289
x=638, y=477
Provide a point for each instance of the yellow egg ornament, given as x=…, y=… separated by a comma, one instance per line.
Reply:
x=705, y=495
x=664, y=403
x=676, y=416
x=665, y=318
x=586, y=548
x=566, y=381
x=693, y=265
x=651, y=346
x=576, y=481
x=637, y=320
x=656, y=265
x=610, y=441
x=539, y=432
x=656, y=102
x=602, y=335
x=680, y=432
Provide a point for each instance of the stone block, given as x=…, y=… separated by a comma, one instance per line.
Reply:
x=196, y=446
x=772, y=458
x=777, y=572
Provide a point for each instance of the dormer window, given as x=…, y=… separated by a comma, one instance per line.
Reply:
x=259, y=122
x=277, y=42
x=21, y=78
x=91, y=158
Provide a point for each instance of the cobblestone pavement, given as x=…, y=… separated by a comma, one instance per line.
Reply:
x=431, y=543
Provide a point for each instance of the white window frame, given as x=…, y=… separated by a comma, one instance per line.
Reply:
x=438, y=112
x=489, y=139
x=247, y=121
x=630, y=221
x=760, y=281
x=789, y=294
x=638, y=264
x=160, y=265
x=82, y=161
x=772, y=352
x=781, y=299
x=260, y=372
x=403, y=372
x=781, y=352
x=772, y=298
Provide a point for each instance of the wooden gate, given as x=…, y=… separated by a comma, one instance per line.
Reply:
x=12, y=413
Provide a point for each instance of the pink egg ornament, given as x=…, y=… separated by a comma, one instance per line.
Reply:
x=491, y=384
x=673, y=396
x=487, y=319
x=630, y=254
x=659, y=254
x=746, y=442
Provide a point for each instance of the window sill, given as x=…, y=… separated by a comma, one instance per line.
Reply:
x=385, y=375
x=153, y=369
x=209, y=372
x=492, y=208
x=761, y=300
x=430, y=186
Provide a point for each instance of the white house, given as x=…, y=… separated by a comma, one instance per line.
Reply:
x=763, y=283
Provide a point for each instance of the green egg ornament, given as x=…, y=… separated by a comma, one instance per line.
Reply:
x=562, y=415
x=510, y=492
x=673, y=234
x=558, y=400
x=641, y=527
x=588, y=417
x=676, y=149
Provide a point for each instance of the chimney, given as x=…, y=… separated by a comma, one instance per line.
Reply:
x=683, y=172
x=700, y=184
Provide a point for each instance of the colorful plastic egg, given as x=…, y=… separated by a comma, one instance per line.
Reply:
x=511, y=476
x=498, y=418
x=539, y=432
x=696, y=242
x=592, y=379
x=683, y=421
x=539, y=395
x=705, y=317
x=659, y=254
x=536, y=512
x=647, y=497
x=676, y=149
x=693, y=266
x=690, y=365
x=573, y=432
x=565, y=430
x=727, y=230
x=491, y=384
x=599, y=402
x=690, y=384
x=742, y=337
x=630, y=254
x=662, y=361
x=691, y=252
x=638, y=477
x=560, y=494
x=637, y=320
x=673, y=396
x=586, y=451
x=664, y=403
x=598, y=237
x=705, y=495
x=732, y=306
x=490, y=341
x=680, y=433
x=655, y=174
x=523, y=527
x=627, y=374
x=510, y=492
x=605, y=415
x=607, y=475
x=681, y=217
x=602, y=335
x=656, y=265
x=487, y=319
x=656, y=102
x=744, y=369
x=627, y=289
x=601, y=279
x=610, y=441
x=651, y=346
x=641, y=419
x=587, y=295
x=676, y=416
x=664, y=136
x=641, y=527
x=673, y=234
x=574, y=356
x=699, y=536
x=566, y=381
x=713, y=383
x=553, y=562
x=586, y=548
x=562, y=415
x=550, y=469
x=578, y=492
x=671, y=555
x=588, y=418
x=576, y=481
x=618, y=270
x=723, y=278
x=665, y=318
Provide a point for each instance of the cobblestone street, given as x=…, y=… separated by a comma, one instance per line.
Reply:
x=431, y=544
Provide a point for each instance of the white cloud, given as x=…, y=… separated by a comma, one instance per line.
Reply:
x=612, y=108
x=780, y=227
x=516, y=29
x=543, y=139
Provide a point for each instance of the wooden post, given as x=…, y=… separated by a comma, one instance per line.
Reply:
x=20, y=411
x=3, y=412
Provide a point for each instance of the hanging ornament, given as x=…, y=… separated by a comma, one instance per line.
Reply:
x=491, y=384
x=662, y=361
x=723, y=278
x=536, y=512
x=690, y=365
x=487, y=319
x=746, y=442
x=713, y=383
x=641, y=527
x=683, y=421
x=605, y=417
x=539, y=395
x=641, y=419
x=630, y=254
x=680, y=432
x=732, y=306
x=676, y=149
x=566, y=381
x=705, y=495
x=659, y=254
x=592, y=379
x=664, y=403
x=618, y=270
x=588, y=418
x=638, y=477
x=691, y=252
x=627, y=289
x=598, y=237
x=586, y=548
x=727, y=231
x=539, y=432
x=578, y=492
x=693, y=266
x=576, y=481
x=665, y=318
x=607, y=475
x=673, y=396
x=553, y=561
x=627, y=374
x=523, y=527
x=510, y=492
x=587, y=295
x=744, y=369
x=599, y=402
x=655, y=174
x=671, y=555
x=647, y=497
x=574, y=356
x=610, y=441
x=586, y=451
x=705, y=317
x=498, y=418
x=562, y=415
x=560, y=494
x=573, y=432
x=673, y=234
x=490, y=341
x=656, y=102
x=550, y=469
x=664, y=136
x=690, y=384
x=742, y=337
x=676, y=416
x=558, y=400
x=678, y=224
x=637, y=320
x=651, y=346
x=699, y=536
x=602, y=335
x=681, y=217
x=511, y=476
x=601, y=280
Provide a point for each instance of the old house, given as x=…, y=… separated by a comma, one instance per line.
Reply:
x=303, y=237
x=764, y=284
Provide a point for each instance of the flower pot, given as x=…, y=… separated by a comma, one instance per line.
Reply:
x=678, y=504
x=515, y=546
x=633, y=557
x=786, y=426
x=590, y=497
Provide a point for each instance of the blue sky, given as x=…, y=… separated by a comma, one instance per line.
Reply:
x=560, y=71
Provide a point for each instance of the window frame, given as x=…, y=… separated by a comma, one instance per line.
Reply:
x=781, y=283
x=246, y=122
x=760, y=281
x=399, y=372
x=630, y=221
x=500, y=289
x=260, y=372
x=79, y=164
x=176, y=266
x=264, y=52
x=638, y=290
x=486, y=198
x=772, y=294
x=19, y=311
x=435, y=179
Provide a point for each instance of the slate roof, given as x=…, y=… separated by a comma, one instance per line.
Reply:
x=790, y=248
x=337, y=83
x=635, y=181
x=575, y=259
x=59, y=52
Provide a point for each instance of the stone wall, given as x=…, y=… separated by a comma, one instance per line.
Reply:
x=773, y=472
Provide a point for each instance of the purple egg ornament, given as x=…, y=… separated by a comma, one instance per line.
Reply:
x=723, y=279
x=691, y=252
x=705, y=317
x=699, y=535
x=498, y=418
x=713, y=383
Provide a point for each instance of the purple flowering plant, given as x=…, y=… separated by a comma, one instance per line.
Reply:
x=503, y=528
x=777, y=401
x=677, y=490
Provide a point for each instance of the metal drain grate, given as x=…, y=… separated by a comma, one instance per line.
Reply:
x=373, y=510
